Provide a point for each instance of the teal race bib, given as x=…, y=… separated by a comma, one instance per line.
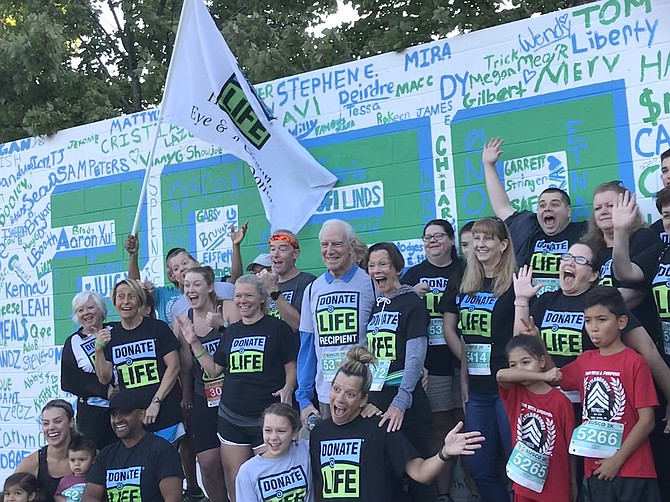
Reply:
x=478, y=356
x=379, y=373
x=331, y=362
x=596, y=439
x=436, y=333
x=528, y=467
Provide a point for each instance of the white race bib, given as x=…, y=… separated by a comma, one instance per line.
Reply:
x=596, y=439
x=478, y=356
x=331, y=362
x=379, y=373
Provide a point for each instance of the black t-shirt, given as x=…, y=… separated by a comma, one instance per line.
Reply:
x=541, y=251
x=439, y=358
x=293, y=290
x=253, y=357
x=657, y=227
x=661, y=293
x=137, y=355
x=134, y=474
x=560, y=320
x=644, y=248
x=486, y=323
x=357, y=461
x=393, y=322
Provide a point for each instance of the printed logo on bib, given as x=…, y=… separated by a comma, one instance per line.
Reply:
x=274, y=311
x=604, y=396
x=246, y=354
x=606, y=274
x=340, y=468
x=89, y=350
x=546, y=257
x=337, y=319
x=475, y=314
x=136, y=363
x=123, y=485
x=288, y=486
x=562, y=332
x=381, y=335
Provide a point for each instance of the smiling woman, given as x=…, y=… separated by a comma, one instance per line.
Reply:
x=143, y=354
x=78, y=371
x=50, y=463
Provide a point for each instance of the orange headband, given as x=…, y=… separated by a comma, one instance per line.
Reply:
x=285, y=238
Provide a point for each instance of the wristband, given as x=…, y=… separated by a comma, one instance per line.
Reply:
x=275, y=295
x=204, y=351
x=442, y=457
x=521, y=303
x=100, y=344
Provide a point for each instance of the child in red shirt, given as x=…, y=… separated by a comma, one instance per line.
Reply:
x=541, y=420
x=618, y=398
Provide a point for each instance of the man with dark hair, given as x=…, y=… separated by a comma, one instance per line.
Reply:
x=665, y=178
x=141, y=466
x=540, y=239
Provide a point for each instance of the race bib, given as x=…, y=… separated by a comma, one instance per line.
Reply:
x=478, y=356
x=528, y=467
x=596, y=439
x=666, y=337
x=379, y=373
x=435, y=333
x=213, y=392
x=331, y=362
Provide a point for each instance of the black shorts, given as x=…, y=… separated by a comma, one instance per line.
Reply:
x=235, y=435
x=624, y=489
x=204, y=425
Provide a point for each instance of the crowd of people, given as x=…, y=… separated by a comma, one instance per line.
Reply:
x=540, y=354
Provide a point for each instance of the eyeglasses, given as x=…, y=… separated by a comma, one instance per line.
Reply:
x=433, y=237
x=579, y=260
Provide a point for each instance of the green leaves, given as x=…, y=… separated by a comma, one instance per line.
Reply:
x=70, y=62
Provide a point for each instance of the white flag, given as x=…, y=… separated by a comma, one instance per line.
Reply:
x=207, y=94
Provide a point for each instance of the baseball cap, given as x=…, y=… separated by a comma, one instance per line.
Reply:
x=127, y=400
x=262, y=259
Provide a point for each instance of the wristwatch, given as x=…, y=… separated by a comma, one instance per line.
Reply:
x=275, y=294
x=156, y=400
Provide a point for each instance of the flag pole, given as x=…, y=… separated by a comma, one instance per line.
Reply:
x=145, y=182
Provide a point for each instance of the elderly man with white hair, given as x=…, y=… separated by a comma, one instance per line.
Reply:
x=336, y=308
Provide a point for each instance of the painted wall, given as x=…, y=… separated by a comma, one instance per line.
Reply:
x=580, y=97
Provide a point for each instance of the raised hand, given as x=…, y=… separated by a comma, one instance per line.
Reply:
x=523, y=284
x=530, y=328
x=624, y=212
x=131, y=245
x=237, y=236
x=492, y=151
x=187, y=329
